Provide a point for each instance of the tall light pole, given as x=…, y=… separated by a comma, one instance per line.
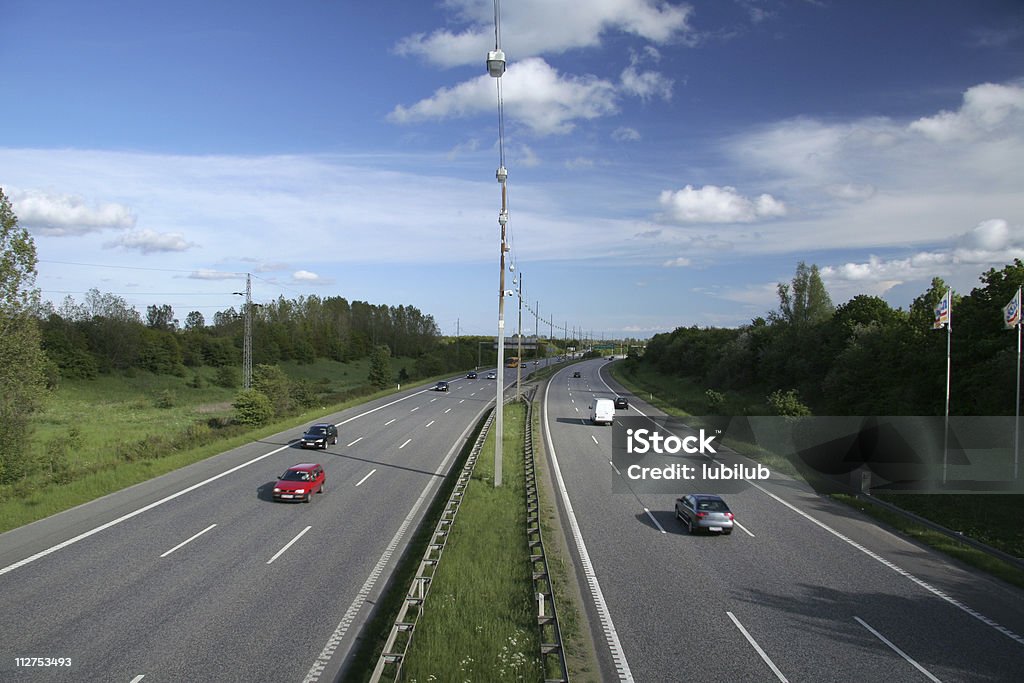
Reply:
x=519, y=330
x=496, y=67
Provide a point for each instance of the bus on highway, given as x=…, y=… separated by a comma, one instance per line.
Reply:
x=512, y=362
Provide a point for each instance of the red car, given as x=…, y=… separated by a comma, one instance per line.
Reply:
x=300, y=482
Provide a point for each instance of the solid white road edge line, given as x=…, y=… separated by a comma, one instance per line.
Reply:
x=767, y=660
x=320, y=664
x=289, y=544
x=188, y=540
x=193, y=487
x=899, y=570
x=367, y=476
x=611, y=636
x=898, y=651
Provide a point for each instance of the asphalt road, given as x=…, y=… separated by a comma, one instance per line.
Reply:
x=199, y=576
x=806, y=590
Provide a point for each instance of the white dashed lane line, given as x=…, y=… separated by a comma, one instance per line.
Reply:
x=188, y=540
x=366, y=477
x=353, y=443
x=287, y=545
x=405, y=444
x=390, y=421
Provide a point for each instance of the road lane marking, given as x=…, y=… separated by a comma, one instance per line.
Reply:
x=462, y=401
x=138, y=678
x=432, y=400
x=594, y=438
x=367, y=476
x=899, y=570
x=764, y=656
x=390, y=421
x=188, y=540
x=353, y=443
x=603, y=615
x=744, y=528
x=429, y=423
x=615, y=468
x=660, y=528
x=898, y=651
x=404, y=444
x=447, y=411
x=414, y=409
x=289, y=544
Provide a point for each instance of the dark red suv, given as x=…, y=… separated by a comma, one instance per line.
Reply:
x=300, y=482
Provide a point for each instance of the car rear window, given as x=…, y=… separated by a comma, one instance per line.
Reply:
x=713, y=506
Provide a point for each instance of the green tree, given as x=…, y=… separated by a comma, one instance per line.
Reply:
x=252, y=407
x=805, y=301
x=22, y=360
x=271, y=381
x=380, y=367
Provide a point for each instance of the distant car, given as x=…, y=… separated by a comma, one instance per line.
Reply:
x=522, y=365
x=300, y=482
x=704, y=511
x=621, y=403
x=319, y=435
x=471, y=375
x=536, y=362
x=491, y=375
x=575, y=374
x=441, y=386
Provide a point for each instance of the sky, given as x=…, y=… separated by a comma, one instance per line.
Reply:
x=669, y=163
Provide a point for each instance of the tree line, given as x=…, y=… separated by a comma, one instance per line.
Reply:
x=103, y=334
x=863, y=357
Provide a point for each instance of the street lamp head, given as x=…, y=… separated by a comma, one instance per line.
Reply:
x=496, y=63
x=501, y=174
x=503, y=218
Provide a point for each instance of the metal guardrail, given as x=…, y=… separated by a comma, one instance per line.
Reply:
x=547, y=616
x=397, y=644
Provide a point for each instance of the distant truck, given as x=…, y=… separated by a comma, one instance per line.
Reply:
x=602, y=411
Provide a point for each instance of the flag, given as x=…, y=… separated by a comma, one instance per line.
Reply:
x=1011, y=311
x=942, y=313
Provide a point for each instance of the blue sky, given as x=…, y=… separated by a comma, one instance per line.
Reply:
x=669, y=162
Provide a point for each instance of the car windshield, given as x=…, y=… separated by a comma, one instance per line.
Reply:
x=296, y=475
x=316, y=431
x=712, y=506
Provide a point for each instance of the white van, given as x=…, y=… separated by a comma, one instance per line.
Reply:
x=602, y=411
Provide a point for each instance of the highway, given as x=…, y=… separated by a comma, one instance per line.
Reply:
x=199, y=576
x=806, y=589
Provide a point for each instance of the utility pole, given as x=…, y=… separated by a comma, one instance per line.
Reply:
x=247, y=335
x=519, y=348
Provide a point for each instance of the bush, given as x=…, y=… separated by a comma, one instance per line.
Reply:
x=716, y=400
x=252, y=407
x=228, y=376
x=787, y=404
x=165, y=399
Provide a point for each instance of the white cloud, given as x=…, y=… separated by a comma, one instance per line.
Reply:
x=986, y=108
x=534, y=94
x=850, y=191
x=625, y=134
x=305, y=276
x=713, y=204
x=535, y=27
x=680, y=262
x=58, y=215
x=206, y=274
x=150, y=241
x=646, y=84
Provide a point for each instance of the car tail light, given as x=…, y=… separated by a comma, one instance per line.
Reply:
x=701, y=515
x=730, y=515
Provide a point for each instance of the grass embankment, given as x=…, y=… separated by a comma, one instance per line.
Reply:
x=98, y=436
x=996, y=527
x=479, y=621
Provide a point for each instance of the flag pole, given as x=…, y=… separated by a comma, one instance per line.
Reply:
x=1016, y=421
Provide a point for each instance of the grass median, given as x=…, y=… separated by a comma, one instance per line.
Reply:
x=479, y=621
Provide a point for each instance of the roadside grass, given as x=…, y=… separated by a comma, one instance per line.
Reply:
x=961, y=551
x=479, y=621
x=98, y=436
x=996, y=527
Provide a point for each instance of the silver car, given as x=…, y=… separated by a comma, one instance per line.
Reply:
x=704, y=511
